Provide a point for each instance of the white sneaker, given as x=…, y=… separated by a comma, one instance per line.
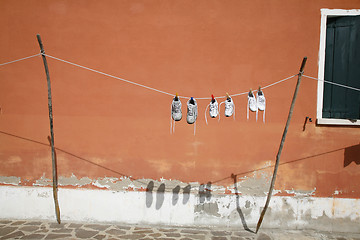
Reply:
x=229, y=107
x=214, y=108
x=252, y=102
x=176, y=113
x=260, y=100
x=192, y=111
x=261, y=103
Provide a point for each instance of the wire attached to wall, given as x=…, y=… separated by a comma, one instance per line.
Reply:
x=17, y=60
x=167, y=93
x=336, y=84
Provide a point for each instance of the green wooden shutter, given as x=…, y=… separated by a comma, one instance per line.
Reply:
x=342, y=65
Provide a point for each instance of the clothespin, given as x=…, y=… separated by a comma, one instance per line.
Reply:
x=176, y=97
x=212, y=98
x=259, y=91
x=251, y=93
x=228, y=96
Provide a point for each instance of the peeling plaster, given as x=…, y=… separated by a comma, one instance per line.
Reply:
x=301, y=193
x=43, y=181
x=164, y=205
x=252, y=186
x=10, y=180
x=337, y=192
x=74, y=181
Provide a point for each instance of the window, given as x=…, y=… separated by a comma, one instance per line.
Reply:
x=339, y=62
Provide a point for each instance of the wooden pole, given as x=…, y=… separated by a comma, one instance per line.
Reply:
x=281, y=145
x=53, y=157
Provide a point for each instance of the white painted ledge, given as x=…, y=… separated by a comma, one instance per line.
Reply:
x=83, y=205
x=331, y=121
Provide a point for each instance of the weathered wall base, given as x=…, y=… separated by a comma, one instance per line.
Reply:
x=332, y=214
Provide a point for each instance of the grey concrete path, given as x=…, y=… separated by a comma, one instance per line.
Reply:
x=20, y=229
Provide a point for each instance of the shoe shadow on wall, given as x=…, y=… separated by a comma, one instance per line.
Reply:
x=352, y=154
x=176, y=192
x=205, y=192
x=158, y=196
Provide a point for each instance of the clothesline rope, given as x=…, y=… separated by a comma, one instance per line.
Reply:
x=167, y=93
x=336, y=84
x=17, y=60
x=154, y=89
x=109, y=75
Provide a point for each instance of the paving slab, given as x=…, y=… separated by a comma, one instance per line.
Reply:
x=32, y=223
x=5, y=221
x=115, y=232
x=6, y=230
x=16, y=234
x=85, y=234
x=58, y=236
x=31, y=229
x=98, y=227
x=34, y=236
x=18, y=223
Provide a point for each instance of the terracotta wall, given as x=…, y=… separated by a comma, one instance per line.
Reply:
x=107, y=128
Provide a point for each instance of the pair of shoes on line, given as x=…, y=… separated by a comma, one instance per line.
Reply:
x=192, y=111
x=176, y=113
x=256, y=104
x=214, y=107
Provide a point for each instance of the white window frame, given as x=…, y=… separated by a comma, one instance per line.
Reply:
x=325, y=14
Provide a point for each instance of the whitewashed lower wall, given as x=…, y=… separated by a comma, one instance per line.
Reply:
x=83, y=205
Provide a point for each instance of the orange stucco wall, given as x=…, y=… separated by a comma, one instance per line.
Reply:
x=107, y=128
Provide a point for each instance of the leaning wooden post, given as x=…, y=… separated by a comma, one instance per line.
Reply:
x=281, y=145
x=54, y=166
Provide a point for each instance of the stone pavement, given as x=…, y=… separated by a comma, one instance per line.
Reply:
x=21, y=229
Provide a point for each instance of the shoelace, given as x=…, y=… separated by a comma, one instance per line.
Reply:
x=192, y=112
x=192, y=109
x=176, y=108
x=206, y=112
x=251, y=100
x=261, y=101
x=214, y=107
x=228, y=105
x=172, y=125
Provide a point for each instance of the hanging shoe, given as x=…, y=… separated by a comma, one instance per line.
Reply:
x=229, y=107
x=176, y=113
x=192, y=111
x=252, y=104
x=261, y=102
x=213, y=108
